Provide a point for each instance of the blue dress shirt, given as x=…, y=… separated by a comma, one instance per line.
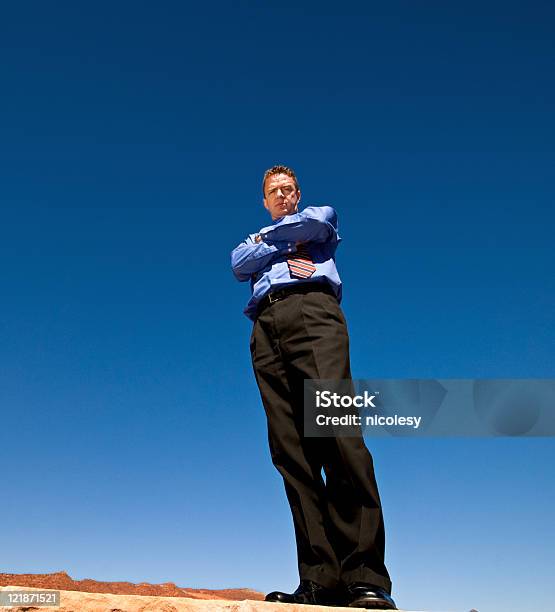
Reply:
x=264, y=263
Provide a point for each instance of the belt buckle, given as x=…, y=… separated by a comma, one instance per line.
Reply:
x=272, y=299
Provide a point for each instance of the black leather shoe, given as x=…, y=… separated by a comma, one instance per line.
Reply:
x=308, y=592
x=363, y=595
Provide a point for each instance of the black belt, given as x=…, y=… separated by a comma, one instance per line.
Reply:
x=279, y=294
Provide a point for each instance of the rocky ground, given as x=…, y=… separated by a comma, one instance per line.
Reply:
x=94, y=596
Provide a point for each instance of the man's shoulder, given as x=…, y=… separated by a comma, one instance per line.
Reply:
x=322, y=213
x=321, y=207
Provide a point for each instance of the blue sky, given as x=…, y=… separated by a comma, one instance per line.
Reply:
x=133, y=137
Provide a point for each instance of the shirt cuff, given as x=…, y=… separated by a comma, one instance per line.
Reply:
x=283, y=246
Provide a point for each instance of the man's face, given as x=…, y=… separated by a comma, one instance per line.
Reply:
x=280, y=196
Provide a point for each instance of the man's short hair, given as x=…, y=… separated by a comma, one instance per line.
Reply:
x=279, y=170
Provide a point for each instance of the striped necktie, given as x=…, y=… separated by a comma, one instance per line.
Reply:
x=300, y=264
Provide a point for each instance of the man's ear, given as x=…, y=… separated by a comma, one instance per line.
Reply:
x=265, y=204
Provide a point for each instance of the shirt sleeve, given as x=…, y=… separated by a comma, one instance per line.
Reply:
x=250, y=257
x=313, y=224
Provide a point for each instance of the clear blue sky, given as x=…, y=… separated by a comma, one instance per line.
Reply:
x=133, y=137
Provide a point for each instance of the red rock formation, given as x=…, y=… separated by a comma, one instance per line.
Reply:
x=63, y=582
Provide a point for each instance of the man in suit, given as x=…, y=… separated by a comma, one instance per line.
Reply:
x=300, y=333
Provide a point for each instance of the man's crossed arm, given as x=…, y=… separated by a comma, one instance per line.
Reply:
x=313, y=224
x=250, y=256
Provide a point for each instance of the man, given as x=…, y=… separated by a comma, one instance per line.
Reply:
x=300, y=333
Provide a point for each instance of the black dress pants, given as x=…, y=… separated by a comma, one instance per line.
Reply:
x=338, y=523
